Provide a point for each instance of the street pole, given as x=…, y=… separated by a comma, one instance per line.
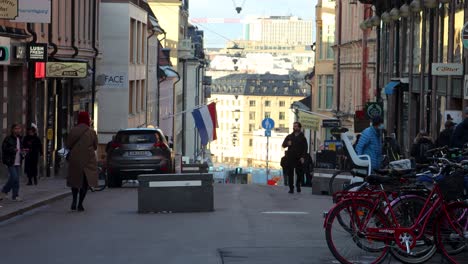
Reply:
x=267, y=170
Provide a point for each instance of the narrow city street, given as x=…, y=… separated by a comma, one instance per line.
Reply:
x=251, y=224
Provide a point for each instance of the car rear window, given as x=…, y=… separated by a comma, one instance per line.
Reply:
x=135, y=137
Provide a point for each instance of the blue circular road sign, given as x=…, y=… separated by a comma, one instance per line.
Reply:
x=268, y=123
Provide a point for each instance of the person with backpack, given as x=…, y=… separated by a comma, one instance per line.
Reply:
x=422, y=143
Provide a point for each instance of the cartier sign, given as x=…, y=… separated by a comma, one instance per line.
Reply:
x=444, y=69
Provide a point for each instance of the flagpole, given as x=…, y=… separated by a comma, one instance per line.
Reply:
x=185, y=111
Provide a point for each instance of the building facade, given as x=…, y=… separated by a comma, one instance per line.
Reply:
x=279, y=30
x=412, y=37
x=123, y=97
x=242, y=102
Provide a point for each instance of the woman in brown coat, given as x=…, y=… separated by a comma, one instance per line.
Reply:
x=82, y=167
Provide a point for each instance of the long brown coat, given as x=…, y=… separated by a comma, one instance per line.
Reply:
x=82, y=142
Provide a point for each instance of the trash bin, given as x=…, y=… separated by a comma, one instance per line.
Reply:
x=181, y=192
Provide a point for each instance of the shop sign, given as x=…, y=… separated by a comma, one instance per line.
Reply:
x=331, y=123
x=374, y=109
x=115, y=80
x=8, y=9
x=37, y=52
x=4, y=51
x=464, y=35
x=445, y=69
x=66, y=69
x=33, y=11
x=309, y=121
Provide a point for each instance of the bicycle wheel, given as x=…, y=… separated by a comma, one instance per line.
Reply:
x=452, y=233
x=102, y=181
x=407, y=209
x=349, y=244
x=332, y=188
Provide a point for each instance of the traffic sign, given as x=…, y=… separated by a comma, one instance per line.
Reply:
x=374, y=109
x=268, y=123
x=267, y=133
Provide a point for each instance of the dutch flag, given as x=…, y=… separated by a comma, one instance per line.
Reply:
x=206, y=122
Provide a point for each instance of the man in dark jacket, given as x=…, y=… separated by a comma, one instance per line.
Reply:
x=296, y=154
x=446, y=135
x=460, y=135
x=11, y=157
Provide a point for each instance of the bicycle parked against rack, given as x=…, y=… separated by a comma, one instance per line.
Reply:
x=371, y=227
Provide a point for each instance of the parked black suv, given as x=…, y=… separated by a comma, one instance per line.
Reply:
x=137, y=151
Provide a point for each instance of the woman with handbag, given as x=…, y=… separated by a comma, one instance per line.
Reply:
x=32, y=143
x=82, y=169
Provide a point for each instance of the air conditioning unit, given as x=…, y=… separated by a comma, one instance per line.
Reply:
x=185, y=49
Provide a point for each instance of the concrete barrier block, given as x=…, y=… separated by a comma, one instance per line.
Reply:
x=172, y=193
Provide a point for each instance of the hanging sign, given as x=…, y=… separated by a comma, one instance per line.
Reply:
x=66, y=69
x=464, y=35
x=8, y=9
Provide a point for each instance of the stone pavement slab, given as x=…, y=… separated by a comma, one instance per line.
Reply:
x=47, y=191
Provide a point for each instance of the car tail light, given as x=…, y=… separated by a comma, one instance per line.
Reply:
x=115, y=145
x=164, y=166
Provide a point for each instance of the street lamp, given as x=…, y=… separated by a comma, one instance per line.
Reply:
x=375, y=20
x=236, y=114
x=386, y=17
x=415, y=6
x=430, y=3
x=395, y=14
x=405, y=10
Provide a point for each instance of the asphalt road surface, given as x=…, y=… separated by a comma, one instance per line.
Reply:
x=251, y=224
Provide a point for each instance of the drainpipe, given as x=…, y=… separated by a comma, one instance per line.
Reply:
x=377, y=65
x=147, y=74
x=174, y=106
x=311, y=143
x=365, y=59
x=338, y=63
x=73, y=31
x=31, y=91
x=96, y=53
x=422, y=105
x=197, y=102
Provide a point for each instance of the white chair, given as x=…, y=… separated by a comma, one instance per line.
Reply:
x=362, y=161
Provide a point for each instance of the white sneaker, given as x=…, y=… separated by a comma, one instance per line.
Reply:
x=17, y=199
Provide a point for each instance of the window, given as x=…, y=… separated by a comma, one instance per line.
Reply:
x=251, y=127
x=251, y=103
x=132, y=40
x=130, y=97
x=138, y=42
x=251, y=115
x=319, y=97
x=267, y=103
x=143, y=95
x=143, y=42
x=282, y=103
x=282, y=126
x=329, y=92
x=137, y=97
x=282, y=116
x=250, y=142
x=267, y=114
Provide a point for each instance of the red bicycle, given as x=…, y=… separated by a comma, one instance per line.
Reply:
x=364, y=228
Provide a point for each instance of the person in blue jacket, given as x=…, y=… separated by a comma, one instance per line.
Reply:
x=370, y=142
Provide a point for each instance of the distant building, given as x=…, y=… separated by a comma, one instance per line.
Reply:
x=279, y=30
x=243, y=101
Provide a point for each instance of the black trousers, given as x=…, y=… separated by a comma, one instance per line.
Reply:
x=299, y=178
x=83, y=190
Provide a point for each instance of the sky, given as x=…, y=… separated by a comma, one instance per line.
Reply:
x=217, y=34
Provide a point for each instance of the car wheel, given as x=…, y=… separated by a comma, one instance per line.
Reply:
x=114, y=181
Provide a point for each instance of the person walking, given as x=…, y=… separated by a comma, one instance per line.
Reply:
x=284, y=167
x=446, y=135
x=33, y=147
x=460, y=134
x=295, y=157
x=370, y=142
x=82, y=169
x=422, y=143
x=11, y=157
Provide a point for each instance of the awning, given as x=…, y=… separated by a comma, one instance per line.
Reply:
x=391, y=86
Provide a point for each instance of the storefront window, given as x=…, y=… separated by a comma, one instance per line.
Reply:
x=444, y=29
x=404, y=44
x=457, y=45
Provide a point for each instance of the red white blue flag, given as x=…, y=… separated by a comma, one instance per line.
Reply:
x=206, y=122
